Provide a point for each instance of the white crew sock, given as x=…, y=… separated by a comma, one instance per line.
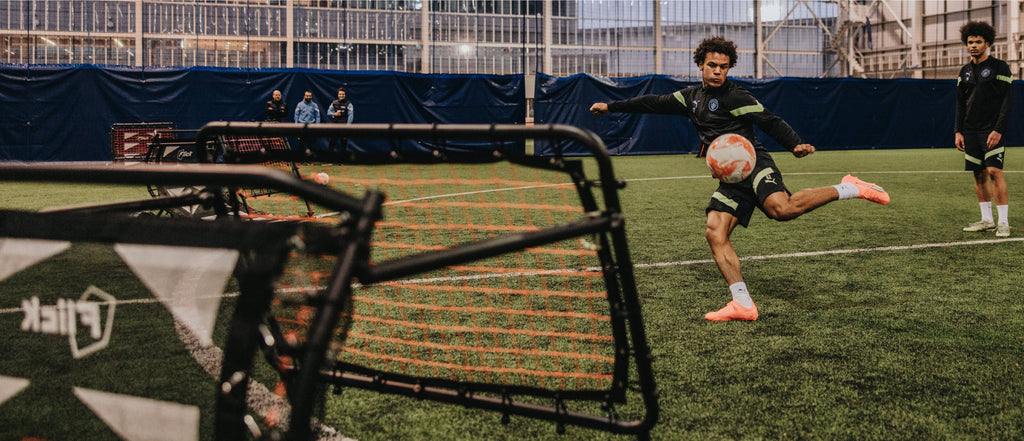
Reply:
x=1004, y=213
x=741, y=295
x=846, y=190
x=986, y=211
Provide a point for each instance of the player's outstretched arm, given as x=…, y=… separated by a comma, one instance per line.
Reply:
x=599, y=109
x=802, y=150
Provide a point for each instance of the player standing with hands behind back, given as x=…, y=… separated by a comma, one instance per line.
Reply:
x=716, y=107
x=984, y=96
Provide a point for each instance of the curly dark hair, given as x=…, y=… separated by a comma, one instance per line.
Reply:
x=978, y=29
x=715, y=44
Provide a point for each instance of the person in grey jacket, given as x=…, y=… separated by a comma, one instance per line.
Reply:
x=307, y=112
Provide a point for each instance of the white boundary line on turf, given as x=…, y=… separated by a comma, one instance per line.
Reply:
x=898, y=172
x=493, y=190
x=441, y=196
x=665, y=178
x=835, y=252
x=126, y=302
x=762, y=257
x=664, y=264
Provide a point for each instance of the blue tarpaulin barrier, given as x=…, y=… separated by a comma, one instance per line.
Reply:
x=831, y=113
x=64, y=113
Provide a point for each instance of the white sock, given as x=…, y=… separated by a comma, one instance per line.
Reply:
x=1004, y=213
x=986, y=211
x=741, y=295
x=847, y=190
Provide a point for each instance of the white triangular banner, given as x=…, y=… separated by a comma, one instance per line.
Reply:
x=18, y=254
x=142, y=419
x=189, y=281
x=11, y=386
x=178, y=191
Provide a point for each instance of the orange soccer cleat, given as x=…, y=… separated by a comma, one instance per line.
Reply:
x=867, y=190
x=733, y=311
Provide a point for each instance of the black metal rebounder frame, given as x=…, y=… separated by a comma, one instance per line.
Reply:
x=606, y=223
x=307, y=369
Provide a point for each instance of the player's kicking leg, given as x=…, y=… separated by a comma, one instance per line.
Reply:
x=865, y=190
x=782, y=206
x=779, y=205
x=719, y=228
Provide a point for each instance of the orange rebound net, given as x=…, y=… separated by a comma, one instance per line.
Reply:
x=535, y=317
x=492, y=280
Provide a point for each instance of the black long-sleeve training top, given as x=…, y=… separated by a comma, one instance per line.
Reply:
x=984, y=96
x=714, y=112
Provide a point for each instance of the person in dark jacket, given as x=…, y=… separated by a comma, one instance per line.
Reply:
x=719, y=106
x=984, y=96
x=277, y=109
x=341, y=112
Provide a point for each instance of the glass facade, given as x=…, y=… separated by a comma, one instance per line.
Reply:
x=558, y=37
x=921, y=39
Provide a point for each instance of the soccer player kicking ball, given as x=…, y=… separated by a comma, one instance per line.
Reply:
x=719, y=106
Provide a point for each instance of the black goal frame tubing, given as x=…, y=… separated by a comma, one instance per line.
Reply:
x=480, y=132
x=181, y=174
x=434, y=260
x=337, y=298
x=504, y=406
x=626, y=307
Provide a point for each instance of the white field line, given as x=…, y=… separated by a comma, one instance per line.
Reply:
x=835, y=252
x=666, y=178
x=466, y=193
x=663, y=264
x=762, y=257
x=125, y=302
x=900, y=172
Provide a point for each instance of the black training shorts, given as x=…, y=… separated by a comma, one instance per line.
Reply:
x=977, y=156
x=739, y=199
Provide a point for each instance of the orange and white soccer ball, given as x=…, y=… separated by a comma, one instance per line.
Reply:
x=322, y=178
x=731, y=158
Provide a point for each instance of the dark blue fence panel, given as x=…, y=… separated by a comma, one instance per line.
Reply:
x=567, y=100
x=830, y=113
x=64, y=113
